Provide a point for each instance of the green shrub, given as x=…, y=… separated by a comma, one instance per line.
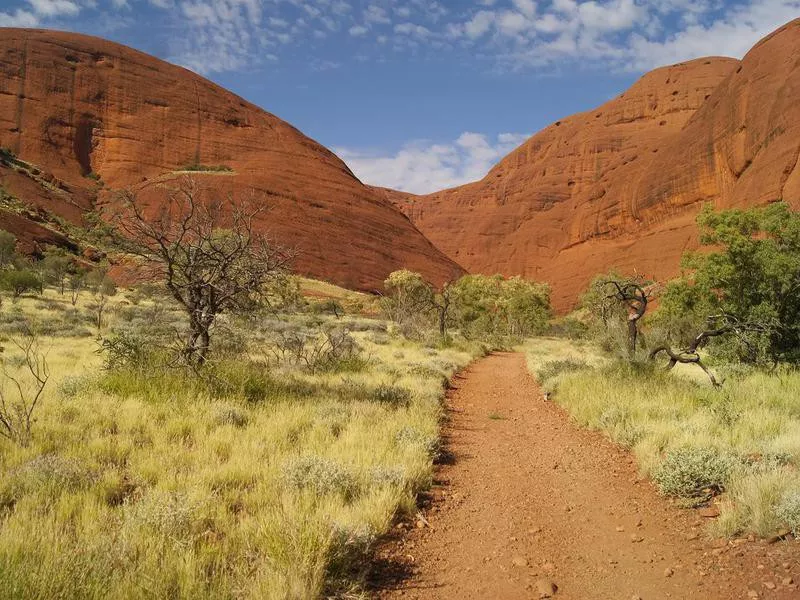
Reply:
x=411, y=436
x=194, y=167
x=320, y=476
x=168, y=513
x=688, y=472
x=19, y=281
x=788, y=511
x=387, y=476
x=48, y=474
x=126, y=349
x=72, y=386
x=392, y=395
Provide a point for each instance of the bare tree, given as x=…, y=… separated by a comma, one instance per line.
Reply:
x=718, y=325
x=204, y=247
x=634, y=299
x=17, y=406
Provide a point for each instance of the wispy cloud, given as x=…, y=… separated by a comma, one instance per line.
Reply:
x=424, y=166
x=627, y=35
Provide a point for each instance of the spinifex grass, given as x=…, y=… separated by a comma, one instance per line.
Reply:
x=145, y=484
x=742, y=440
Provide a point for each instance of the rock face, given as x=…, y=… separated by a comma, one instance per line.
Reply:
x=620, y=186
x=86, y=117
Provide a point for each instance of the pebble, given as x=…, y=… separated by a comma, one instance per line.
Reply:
x=769, y=585
x=779, y=535
x=668, y=572
x=519, y=561
x=546, y=589
x=620, y=528
x=635, y=538
x=709, y=512
x=787, y=581
x=752, y=594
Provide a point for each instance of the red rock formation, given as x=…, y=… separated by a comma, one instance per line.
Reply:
x=620, y=186
x=81, y=108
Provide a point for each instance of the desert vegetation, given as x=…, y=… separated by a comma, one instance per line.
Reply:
x=225, y=429
x=729, y=437
x=500, y=310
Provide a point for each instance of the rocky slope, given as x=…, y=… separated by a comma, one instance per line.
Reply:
x=81, y=117
x=620, y=186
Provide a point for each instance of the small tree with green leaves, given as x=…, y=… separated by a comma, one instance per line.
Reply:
x=103, y=288
x=8, y=248
x=57, y=265
x=750, y=273
x=408, y=301
x=76, y=282
x=17, y=282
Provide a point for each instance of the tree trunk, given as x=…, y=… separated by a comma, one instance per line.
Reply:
x=633, y=334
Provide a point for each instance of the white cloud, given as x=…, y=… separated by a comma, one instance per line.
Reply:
x=54, y=8
x=634, y=35
x=422, y=167
x=376, y=14
x=479, y=24
x=526, y=7
x=733, y=35
x=19, y=18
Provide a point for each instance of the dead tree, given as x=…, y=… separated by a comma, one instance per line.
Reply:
x=205, y=249
x=17, y=406
x=718, y=325
x=634, y=299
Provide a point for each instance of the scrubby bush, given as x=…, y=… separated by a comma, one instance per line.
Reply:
x=412, y=436
x=387, y=476
x=73, y=385
x=8, y=248
x=691, y=471
x=171, y=514
x=788, y=511
x=127, y=349
x=231, y=415
x=492, y=308
x=393, y=395
x=17, y=282
x=321, y=476
x=48, y=475
x=329, y=349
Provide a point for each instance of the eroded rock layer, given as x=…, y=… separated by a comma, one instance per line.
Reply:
x=620, y=186
x=92, y=116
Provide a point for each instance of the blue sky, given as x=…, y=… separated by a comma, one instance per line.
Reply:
x=418, y=94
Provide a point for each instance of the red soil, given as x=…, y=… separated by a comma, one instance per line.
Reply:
x=530, y=499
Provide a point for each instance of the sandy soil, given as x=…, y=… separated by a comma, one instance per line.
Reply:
x=528, y=505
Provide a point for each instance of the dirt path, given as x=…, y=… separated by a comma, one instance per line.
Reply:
x=528, y=499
